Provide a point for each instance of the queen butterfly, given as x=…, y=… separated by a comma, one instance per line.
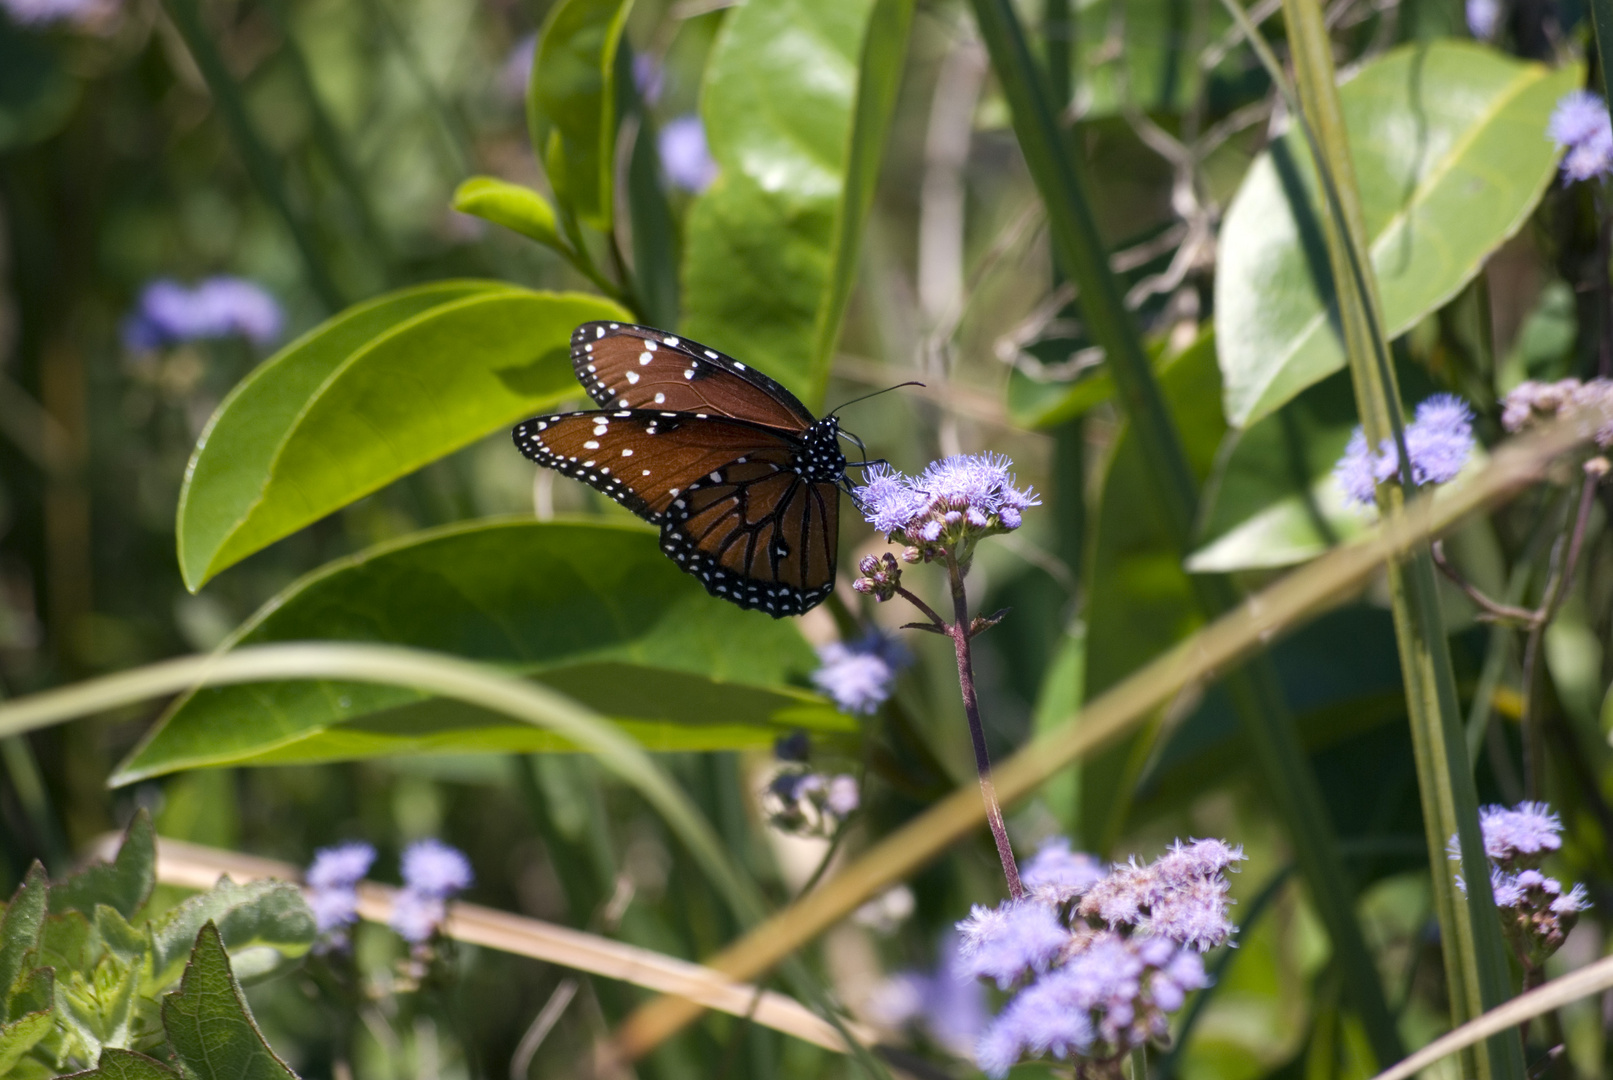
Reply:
x=742, y=479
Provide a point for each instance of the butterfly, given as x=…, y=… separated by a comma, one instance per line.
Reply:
x=742, y=479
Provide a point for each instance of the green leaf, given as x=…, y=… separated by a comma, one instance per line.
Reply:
x=124, y=884
x=209, y=1025
x=594, y=611
x=23, y=1033
x=517, y=208
x=369, y=397
x=1140, y=595
x=21, y=927
x=768, y=240
x=655, y=232
x=265, y=925
x=572, y=104
x=1450, y=156
x=118, y=1064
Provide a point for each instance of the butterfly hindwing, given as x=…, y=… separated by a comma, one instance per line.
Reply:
x=623, y=366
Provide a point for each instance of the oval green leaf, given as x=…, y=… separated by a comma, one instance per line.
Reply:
x=797, y=102
x=572, y=104
x=594, y=611
x=370, y=396
x=517, y=208
x=1451, y=157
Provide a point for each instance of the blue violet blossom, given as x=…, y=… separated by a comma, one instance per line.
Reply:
x=1439, y=440
x=858, y=676
x=1098, y=972
x=432, y=873
x=332, y=880
x=46, y=12
x=1483, y=18
x=1536, y=913
x=797, y=800
x=685, y=155
x=948, y=1004
x=1580, y=126
x=952, y=504
x=168, y=313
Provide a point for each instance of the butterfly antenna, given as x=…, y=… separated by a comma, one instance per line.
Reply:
x=876, y=393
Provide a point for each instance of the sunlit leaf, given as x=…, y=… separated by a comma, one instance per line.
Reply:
x=515, y=207
x=264, y=924
x=593, y=611
x=1450, y=156
x=573, y=103
x=208, y=1024
x=369, y=397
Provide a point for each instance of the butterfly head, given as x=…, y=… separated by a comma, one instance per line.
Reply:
x=820, y=460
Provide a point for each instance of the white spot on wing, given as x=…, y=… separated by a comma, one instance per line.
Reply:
x=632, y=377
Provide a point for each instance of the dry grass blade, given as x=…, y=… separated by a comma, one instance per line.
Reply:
x=1588, y=980
x=1251, y=626
x=194, y=866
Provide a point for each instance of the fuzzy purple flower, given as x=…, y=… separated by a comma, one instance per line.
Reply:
x=46, y=12
x=1483, y=18
x=1009, y=942
x=1580, y=126
x=417, y=916
x=953, y=502
x=649, y=77
x=334, y=910
x=1181, y=896
x=1057, y=874
x=168, y=313
x=947, y=1003
x=1530, y=402
x=1439, y=440
x=858, y=676
x=685, y=155
x=842, y=797
x=340, y=867
x=1536, y=914
x=1521, y=836
x=435, y=869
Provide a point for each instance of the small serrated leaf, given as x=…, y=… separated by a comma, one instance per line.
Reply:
x=123, y=884
x=266, y=924
x=21, y=927
x=21, y=1036
x=209, y=1025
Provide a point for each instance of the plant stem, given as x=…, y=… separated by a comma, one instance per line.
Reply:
x=959, y=632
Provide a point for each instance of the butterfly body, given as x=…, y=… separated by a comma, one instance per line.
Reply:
x=743, y=481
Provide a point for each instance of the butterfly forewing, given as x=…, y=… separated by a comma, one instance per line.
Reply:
x=623, y=366
x=644, y=459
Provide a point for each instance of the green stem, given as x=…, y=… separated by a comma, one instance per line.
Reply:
x=1255, y=689
x=255, y=154
x=1478, y=969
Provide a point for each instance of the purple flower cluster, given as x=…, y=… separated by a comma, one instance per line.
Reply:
x=948, y=1003
x=45, y=12
x=1536, y=913
x=956, y=500
x=1580, y=126
x=168, y=313
x=806, y=803
x=1483, y=18
x=432, y=873
x=685, y=156
x=1532, y=402
x=1099, y=960
x=860, y=675
x=333, y=879
x=1439, y=441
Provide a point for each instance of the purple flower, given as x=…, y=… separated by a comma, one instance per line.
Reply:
x=842, y=798
x=1523, y=834
x=1010, y=941
x=417, y=915
x=1483, y=17
x=168, y=313
x=1439, y=441
x=435, y=869
x=685, y=156
x=1580, y=125
x=979, y=482
x=1571, y=902
x=334, y=908
x=1058, y=874
x=887, y=499
x=340, y=867
x=858, y=676
x=44, y=12
x=516, y=71
x=649, y=77
x=1356, y=471
x=949, y=1004
x=1181, y=896
x=964, y=496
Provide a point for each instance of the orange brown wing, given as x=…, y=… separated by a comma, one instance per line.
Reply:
x=623, y=366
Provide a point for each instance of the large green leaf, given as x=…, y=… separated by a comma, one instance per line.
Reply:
x=770, y=246
x=208, y=1024
x=594, y=611
x=1451, y=157
x=573, y=104
x=123, y=884
x=265, y=925
x=372, y=395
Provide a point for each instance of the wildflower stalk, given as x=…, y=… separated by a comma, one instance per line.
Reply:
x=1255, y=690
x=961, y=631
x=1475, y=958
